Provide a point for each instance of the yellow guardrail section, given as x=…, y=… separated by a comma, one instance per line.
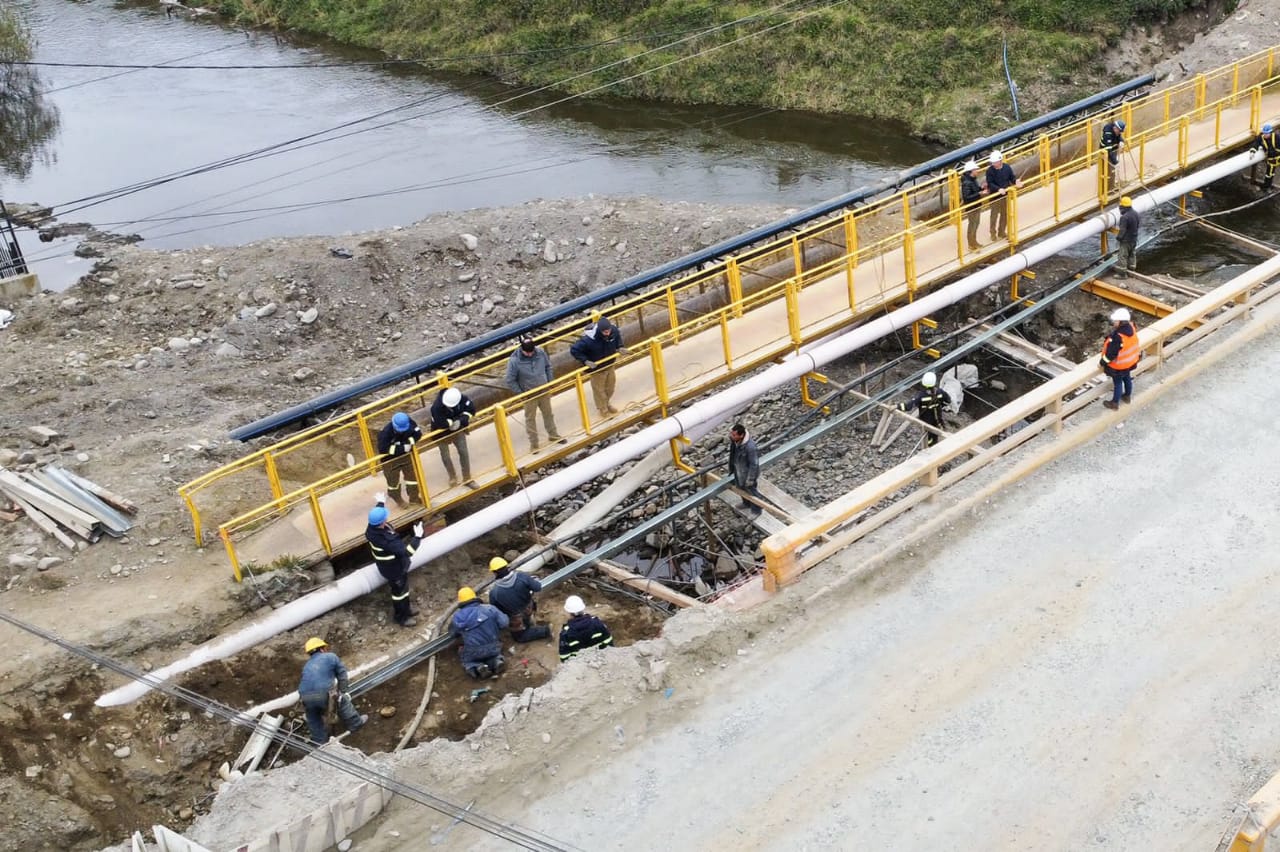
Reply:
x=802, y=286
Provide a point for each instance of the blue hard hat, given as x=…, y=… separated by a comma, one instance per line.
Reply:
x=400, y=421
x=378, y=515
x=1121, y=124
x=1266, y=128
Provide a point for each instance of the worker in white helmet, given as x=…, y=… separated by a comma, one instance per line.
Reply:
x=582, y=631
x=929, y=400
x=971, y=192
x=451, y=413
x=1000, y=179
x=1120, y=354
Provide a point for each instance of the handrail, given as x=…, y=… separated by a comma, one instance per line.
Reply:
x=830, y=233
x=636, y=283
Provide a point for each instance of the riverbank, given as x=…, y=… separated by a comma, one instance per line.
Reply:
x=935, y=67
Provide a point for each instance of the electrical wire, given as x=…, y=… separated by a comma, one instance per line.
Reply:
x=306, y=140
x=522, y=837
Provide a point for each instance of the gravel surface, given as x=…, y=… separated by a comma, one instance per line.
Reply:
x=1090, y=664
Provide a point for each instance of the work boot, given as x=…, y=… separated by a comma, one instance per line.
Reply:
x=454, y=482
x=1127, y=398
x=534, y=446
x=481, y=672
x=409, y=622
x=360, y=723
x=471, y=483
x=1110, y=404
x=499, y=667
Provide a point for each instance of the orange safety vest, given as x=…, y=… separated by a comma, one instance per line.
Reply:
x=1127, y=358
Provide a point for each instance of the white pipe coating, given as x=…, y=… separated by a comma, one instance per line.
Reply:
x=718, y=405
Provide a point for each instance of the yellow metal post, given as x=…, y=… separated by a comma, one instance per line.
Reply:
x=415, y=459
x=1057, y=195
x=273, y=475
x=735, y=285
x=1201, y=88
x=366, y=437
x=660, y=375
x=1167, y=95
x=231, y=553
x=906, y=212
x=1089, y=145
x=1011, y=202
x=1142, y=158
x=680, y=463
x=195, y=518
x=806, y=397
x=798, y=254
x=724, y=340
x=909, y=263
x=1217, y=126
x=672, y=316
x=580, y=386
x=793, y=312
x=851, y=237
x=1184, y=140
x=1042, y=146
x=321, y=527
x=853, y=298
x=1255, y=110
x=1104, y=178
x=503, y=429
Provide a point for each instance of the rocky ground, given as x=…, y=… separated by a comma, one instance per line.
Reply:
x=145, y=365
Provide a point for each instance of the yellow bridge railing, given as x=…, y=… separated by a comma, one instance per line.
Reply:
x=741, y=313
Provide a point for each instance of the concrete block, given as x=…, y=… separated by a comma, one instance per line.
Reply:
x=44, y=435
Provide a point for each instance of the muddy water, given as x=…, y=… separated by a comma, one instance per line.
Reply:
x=465, y=142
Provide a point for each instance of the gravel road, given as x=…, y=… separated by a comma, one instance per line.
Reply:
x=1091, y=664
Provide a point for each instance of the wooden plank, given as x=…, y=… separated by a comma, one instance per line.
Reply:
x=127, y=506
x=55, y=507
x=1237, y=238
x=782, y=499
x=1168, y=282
x=110, y=520
x=45, y=523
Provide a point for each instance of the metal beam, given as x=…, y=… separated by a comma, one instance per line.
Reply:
x=1136, y=301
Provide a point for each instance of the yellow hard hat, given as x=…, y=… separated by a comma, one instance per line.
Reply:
x=497, y=563
x=1126, y=201
x=466, y=593
x=315, y=643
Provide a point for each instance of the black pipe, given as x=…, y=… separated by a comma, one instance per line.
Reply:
x=512, y=331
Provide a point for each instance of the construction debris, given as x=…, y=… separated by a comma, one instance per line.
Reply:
x=59, y=502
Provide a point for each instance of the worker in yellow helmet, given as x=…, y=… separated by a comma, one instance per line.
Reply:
x=1127, y=238
x=478, y=626
x=324, y=676
x=512, y=592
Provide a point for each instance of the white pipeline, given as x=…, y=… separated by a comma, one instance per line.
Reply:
x=712, y=408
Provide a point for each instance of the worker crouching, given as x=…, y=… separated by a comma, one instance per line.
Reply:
x=478, y=627
x=512, y=593
x=582, y=631
x=1120, y=354
x=324, y=676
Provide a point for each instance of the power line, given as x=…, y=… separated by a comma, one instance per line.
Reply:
x=309, y=139
x=522, y=837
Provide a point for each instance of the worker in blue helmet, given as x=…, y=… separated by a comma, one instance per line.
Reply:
x=1269, y=142
x=1112, y=142
x=396, y=442
x=391, y=554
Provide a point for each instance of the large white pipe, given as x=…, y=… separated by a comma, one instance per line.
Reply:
x=717, y=406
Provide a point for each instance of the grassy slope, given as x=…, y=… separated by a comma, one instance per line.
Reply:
x=935, y=64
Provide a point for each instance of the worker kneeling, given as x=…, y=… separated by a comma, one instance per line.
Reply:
x=512, y=593
x=477, y=625
x=582, y=631
x=324, y=675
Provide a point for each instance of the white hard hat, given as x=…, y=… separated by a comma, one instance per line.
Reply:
x=574, y=605
x=451, y=397
x=997, y=157
x=929, y=380
x=970, y=165
x=1120, y=315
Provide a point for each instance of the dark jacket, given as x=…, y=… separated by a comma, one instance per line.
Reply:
x=526, y=372
x=582, y=632
x=593, y=347
x=930, y=401
x=1269, y=143
x=390, y=552
x=970, y=189
x=478, y=625
x=1128, y=226
x=513, y=593
x=441, y=414
x=1114, y=341
x=744, y=462
x=393, y=443
x=320, y=672
x=1112, y=135
x=1000, y=178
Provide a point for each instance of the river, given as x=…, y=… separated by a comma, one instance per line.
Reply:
x=466, y=142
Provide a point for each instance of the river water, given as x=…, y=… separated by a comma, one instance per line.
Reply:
x=465, y=142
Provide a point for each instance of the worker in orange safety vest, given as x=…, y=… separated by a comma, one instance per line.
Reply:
x=1120, y=355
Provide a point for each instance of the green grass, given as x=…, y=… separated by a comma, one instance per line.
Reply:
x=933, y=64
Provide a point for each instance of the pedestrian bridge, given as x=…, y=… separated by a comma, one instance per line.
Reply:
x=306, y=496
